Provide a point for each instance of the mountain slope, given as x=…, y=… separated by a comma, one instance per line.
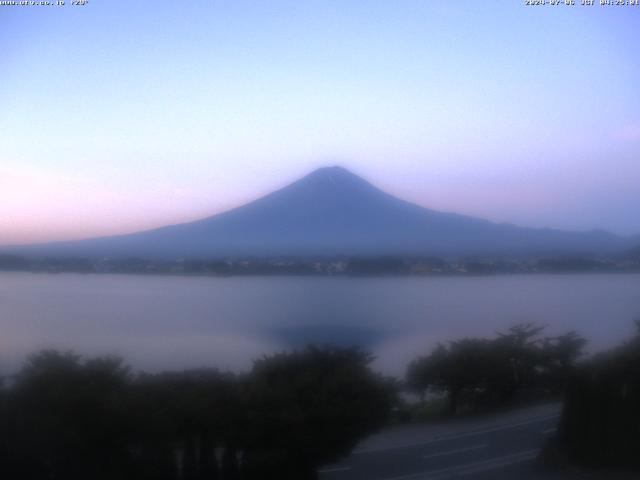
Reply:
x=332, y=211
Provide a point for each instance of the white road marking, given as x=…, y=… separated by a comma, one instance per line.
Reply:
x=456, y=436
x=471, y=468
x=334, y=469
x=458, y=450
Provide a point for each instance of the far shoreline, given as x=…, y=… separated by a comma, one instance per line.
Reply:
x=322, y=275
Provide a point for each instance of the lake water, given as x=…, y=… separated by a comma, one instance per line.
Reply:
x=171, y=322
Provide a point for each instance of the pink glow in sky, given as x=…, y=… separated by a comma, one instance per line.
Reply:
x=135, y=117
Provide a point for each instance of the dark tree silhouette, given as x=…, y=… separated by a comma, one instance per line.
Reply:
x=476, y=372
x=601, y=415
x=67, y=418
x=182, y=420
x=310, y=407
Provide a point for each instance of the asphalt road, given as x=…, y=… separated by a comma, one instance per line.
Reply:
x=497, y=447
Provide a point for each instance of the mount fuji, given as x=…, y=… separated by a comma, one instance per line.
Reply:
x=332, y=211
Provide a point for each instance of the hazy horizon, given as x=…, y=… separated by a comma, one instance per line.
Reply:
x=118, y=117
x=275, y=189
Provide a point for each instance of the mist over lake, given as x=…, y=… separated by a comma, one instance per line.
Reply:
x=171, y=322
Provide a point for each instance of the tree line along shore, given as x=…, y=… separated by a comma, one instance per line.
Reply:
x=339, y=265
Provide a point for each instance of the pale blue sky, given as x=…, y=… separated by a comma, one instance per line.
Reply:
x=122, y=115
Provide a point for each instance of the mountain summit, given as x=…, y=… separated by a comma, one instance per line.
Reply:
x=332, y=211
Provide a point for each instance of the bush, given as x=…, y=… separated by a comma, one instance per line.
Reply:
x=600, y=424
x=478, y=373
x=67, y=418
